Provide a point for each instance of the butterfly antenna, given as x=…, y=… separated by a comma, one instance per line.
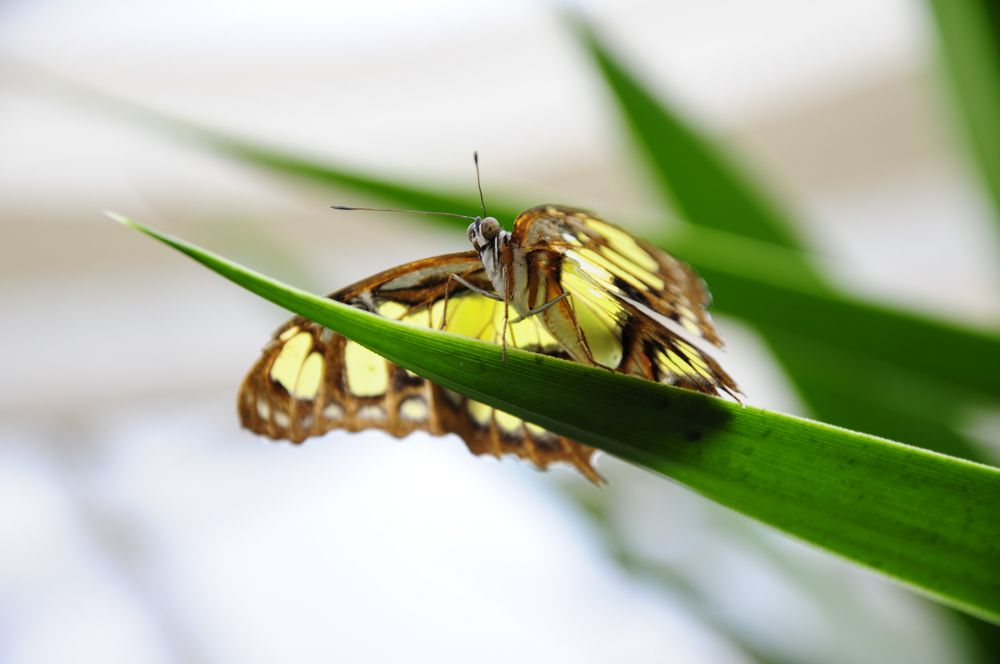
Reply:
x=482, y=201
x=371, y=209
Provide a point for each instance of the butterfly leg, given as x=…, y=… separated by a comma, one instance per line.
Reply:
x=540, y=309
x=503, y=335
x=472, y=287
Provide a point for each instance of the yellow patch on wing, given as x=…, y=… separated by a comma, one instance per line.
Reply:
x=623, y=266
x=393, y=310
x=288, y=364
x=599, y=315
x=597, y=268
x=310, y=377
x=414, y=409
x=604, y=341
x=604, y=270
x=480, y=412
x=671, y=363
x=537, y=430
x=530, y=333
x=289, y=333
x=624, y=244
x=507, y=422
x=694, y=359
x=471, y=316
x=367, y=373
x=371, y=413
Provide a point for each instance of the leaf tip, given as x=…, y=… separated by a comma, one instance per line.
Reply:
x=120, y=218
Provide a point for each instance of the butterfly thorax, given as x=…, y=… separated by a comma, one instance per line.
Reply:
x=495, y=249
x=495, y=259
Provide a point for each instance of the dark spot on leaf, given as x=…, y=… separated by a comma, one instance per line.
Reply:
x=692, y=435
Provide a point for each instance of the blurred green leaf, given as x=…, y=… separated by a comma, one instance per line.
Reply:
x=418, y=198
x=969, y=32
x=697, y=178
x=927, y=520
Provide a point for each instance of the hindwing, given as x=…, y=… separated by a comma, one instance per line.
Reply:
x=310, y=379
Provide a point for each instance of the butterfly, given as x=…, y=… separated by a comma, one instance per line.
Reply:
x=563, y=283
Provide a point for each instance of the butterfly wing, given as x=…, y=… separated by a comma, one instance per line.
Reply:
x=631, y=305
x=310, y=379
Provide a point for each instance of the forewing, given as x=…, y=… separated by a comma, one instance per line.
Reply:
x=622, y=288
x=310, y=379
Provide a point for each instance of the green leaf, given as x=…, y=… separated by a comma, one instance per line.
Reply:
x=876, y=397
x=927, y=520
x=697, y=177
x=969, y=32
x=418, y=198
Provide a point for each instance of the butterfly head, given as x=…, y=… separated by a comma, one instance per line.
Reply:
x=488, y=239
x=483, y=233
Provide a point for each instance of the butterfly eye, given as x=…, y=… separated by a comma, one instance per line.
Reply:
x=490, y=228
x=471, y=231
